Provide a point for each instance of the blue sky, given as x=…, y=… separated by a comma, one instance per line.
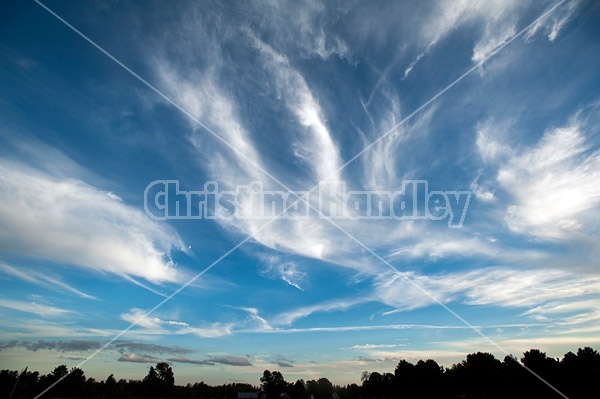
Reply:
x=295, y=90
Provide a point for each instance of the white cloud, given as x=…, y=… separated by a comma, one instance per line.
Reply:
x=68, y=221
x=214, y=330
x=481, y=193
x=206, y=100
x=255, y=320
x=156, y=325
x=416, y=60
x=35, y=308
x=490, y=142
x=137, y=316
x=442, y=246
x=303, y=28
x=494, y=22
x=381, y=162
x=448, y=15
x=538, y=290
x=490, y=43
x=287, y=271
x=555, y=185
x=375, y=346
x=34, y=328
x=322, y=154
x=206, y=95
x=201, y=97
x=383, y=327
x=289, y=317
x=576, y=312
x=554, y=23
x=42, y=279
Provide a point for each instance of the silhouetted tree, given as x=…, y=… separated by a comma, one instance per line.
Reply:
x=165, y=374
x=352, y=392
x=312, y=388
x=28, y=385
x=55, y=375
x=297, y=390
x=546, y=368
x=372, y=386
x=110, y=387
x=424, y=379
x=580, y=373
x=74, y=383
x=59, y=372
x=19, y=384
x=476, y=376
x=273, y=384
x=160, y=380
x=324, y=388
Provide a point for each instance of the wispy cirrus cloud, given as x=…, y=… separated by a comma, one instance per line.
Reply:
x=138, y=316
x=375, y=346
x=228, y=360
x=206, y=94
x=288, y=271
x=391, y=327
x=207, y=99
x=212, y=330
x=493, y=23
x=535, y=291
x=558, y=172
x=158, y=326
x=289, y=317
x=42, y=279
x=553, y=24
x=255, y=320
x=212, y=360
x=561, y=172
x=323, y=156
x=35, y=308
x=304, y=27
x=574, y=313
x=65, y=220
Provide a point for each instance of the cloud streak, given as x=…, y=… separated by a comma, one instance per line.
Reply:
x=65, y=220
x=559, y=172
x=62, y=346
x=42, y=279
x=77, y=345
x=156, y=325
x=133, y=358
x=35, y=308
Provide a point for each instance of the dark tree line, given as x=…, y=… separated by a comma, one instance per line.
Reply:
x=158, y=383
x=480, y=375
